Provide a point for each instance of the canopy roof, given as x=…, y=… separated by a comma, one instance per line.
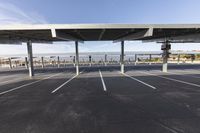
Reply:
x=47, y=33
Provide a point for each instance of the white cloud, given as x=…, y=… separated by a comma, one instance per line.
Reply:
x=11, y=14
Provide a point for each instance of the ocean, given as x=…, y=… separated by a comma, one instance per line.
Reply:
x=84, y=56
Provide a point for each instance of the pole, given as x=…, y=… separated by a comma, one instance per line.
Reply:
x=30, y=58
x=150, y=56
x=58, y=62
x=136, y=60
x=165, y=47
x=10, y=63
x=42, y=59
x=122, y=57
x=178, y=59
x=105, y=60
x=26, y=62
x=77, y=58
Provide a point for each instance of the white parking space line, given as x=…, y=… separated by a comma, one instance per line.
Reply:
x=167, y=128
x=19, y=87
x=65, y=83
x=184, y=75
x=172, y=79
x=102, y=80
x=139, y=81
x=12, y=80
x=192, y=71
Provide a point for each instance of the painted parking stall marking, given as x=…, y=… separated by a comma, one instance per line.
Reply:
x=102, y=80
x=139, y=81
x=19, y=87
x=172, y=79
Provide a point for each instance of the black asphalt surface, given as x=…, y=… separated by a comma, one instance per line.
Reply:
x=144, y=100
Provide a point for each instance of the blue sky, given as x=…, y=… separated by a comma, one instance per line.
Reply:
x=98, y=11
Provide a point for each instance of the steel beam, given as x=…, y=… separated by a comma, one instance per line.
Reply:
x=30, y=58
x=77, y=58
x=122, y=56
x=191, y=38
x=63, y=36
x=135, y=36
x=101, y=34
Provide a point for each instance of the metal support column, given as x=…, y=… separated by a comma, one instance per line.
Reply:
x=64, y=63
x=26, y=62
x=178, y=59
x=90, y=60
x=150, y=57
x=42, y=59
x=30, y=58
x=105, y=62
x=77, y=58
x=129, y=60
x=122, y=57
x=16, y=64
x=74, y=61
x=165, y=64
x=10, y=63
x=192, y=58
x=136, y=59
x=58, y=61
x=165, y=47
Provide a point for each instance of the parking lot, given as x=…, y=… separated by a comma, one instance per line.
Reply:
x=101, y=100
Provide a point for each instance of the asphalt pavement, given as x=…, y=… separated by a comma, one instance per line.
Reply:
x=101, y=100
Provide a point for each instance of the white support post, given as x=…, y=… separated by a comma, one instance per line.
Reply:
x=90, y=60
x=74, y=61
x=136, y=59
x=42, y=59
x=129, y=60
x=165, y=47
x=122, y=57
x=26, y=62
x=65, y=63
x=16, y=64
x=30, y=58
x=10, y=63
x=165, y=64
x=105, y=62
x=77, y=58
x=150, y=56
x=192, y=58
x=178, y=59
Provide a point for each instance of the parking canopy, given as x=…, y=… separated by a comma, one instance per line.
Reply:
x=47, y=33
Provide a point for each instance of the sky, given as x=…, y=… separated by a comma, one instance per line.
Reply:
x=97, y=11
